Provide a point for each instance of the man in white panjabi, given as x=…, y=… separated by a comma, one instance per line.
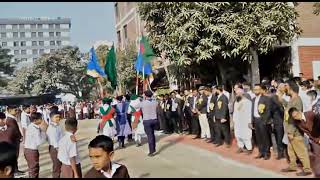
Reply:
x=242, y=119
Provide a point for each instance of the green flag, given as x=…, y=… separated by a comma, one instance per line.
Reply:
x=146, y=49
x=110, y=67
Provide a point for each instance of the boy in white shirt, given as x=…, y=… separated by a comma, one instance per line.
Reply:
x=54, y=134
x=35, y=136
x=25, y=119
x=68, y=152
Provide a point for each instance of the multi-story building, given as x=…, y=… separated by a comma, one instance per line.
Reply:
x=28, y=38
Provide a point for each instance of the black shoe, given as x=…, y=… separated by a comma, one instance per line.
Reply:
x=240, y=150
x=138, y=145
x=280, y=156
x=302, y=173
x=259, y=156
x=217, y=145
x=197, y=137
x=266, y=157
x=151, y=154
x=248, y=152
x=288, y=170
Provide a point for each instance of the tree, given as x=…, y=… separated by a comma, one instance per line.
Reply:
x=5, y=61
x=102, y=52
x=190, y=32
x=58, y=72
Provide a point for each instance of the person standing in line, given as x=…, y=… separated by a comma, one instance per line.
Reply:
x=195, y=116
x=202, y=111
x=262, y=120
x=187, y=111
x=35, y=136
x=149, y=113
x=123, y=129
x=174, y=113
x=107, y=126
x=25, y=120
x=160, y=111
x=242, y=118
x=296, y=146
x=167, y=112
x=210, y=113
x=11, y=121
x=222, y=118
x=68, y=153
x=136, y=119
x=54, y=134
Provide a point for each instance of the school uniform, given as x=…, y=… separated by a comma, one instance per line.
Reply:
x=188, y=113
x=210, y=115
x=167, y=113
x=136, y=119
x=25, y=120
x=221, y=110
x=54, y=134
x=117, y=171
x=195, y=117
x=203, y=120
x=8, y=134
x=12, y=122
x=34, y=138
x=66, y=150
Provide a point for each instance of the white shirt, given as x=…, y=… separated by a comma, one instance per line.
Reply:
x=25, y=120
x=114, y=167
x=10, y=116
x=54, y=134
x=67, y=149
x=226, y=93
x=208, y=103
x=174, y=105
x=194, y=102
x=3, y=128
x=255, y=110
x=305, y=100
x=34, y=137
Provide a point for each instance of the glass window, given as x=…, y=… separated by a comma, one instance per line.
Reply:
x=22, y=34
x=15, y=26
x=58, y=34
x=50, y=26
x=34, y=43
x=23, y=59
x=34, y=59
x=16, y=52
x=39, y=26
x=15, y=34
x=23, y=43
x=4, y=44
x=33, y=34
x=52, y=50
x=57, y=26
x=41, y=51
x=16, y=60
x=3, y=35
x=34, y=51
x=51, y=34
x=21, y=26
x=52, y=43
x=40, y=34
x=119, y=37
x=125, y=31
x=2, y=26
x=33, y=26
x=16, y=43
x=23, y=52
x=59, y=43
x=41, y=43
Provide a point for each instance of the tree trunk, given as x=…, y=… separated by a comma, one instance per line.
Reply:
x=255, y=73
x=222, y=73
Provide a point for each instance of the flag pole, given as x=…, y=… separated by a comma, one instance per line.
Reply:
x=143, y=78
x=137, y=82
x=101, y=88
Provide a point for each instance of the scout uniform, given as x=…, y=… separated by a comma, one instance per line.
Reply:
x=136, y=118
x=107, y=124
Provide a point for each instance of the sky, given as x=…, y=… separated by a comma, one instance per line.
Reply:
x=90, y=21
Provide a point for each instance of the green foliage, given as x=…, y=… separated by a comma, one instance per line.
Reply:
x=102, y=52
x=5, y=61
x=190, y=32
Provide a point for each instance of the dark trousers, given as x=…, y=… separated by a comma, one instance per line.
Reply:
x=17, y=153
x=67, y=172
x=188, y=119
x=314, y=155
x=32, y=157
x=121, y=141
x=222, y=132
x=167, y=126
x=56, y=164
x=279, y=132
x=149, y=126
x=174, y=121
x=211, y=126
x=263, y=136
x=195, y=125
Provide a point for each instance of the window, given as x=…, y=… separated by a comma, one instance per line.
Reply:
x=40, y=34
x=50, y=26
x=16, y=60
x=23, y=43
x=3, y=35
x=21, y=26
x=22, y=34
x=58, y=34
x=125, y=27
x=51, y=34
x=33, y=26
x=39, y=26
x=34, y=51
x=16, y=43
x=57, y=26
x=15, y=26
x=34, y=59
x=23, y=59
x=4, y=44
x=23, y=52
x=52, y=43
x=41, y=43
x=34, y=43
x=16, y=52
x=2, y=26
x=119, y=37
x=41, y=51
x=52, y=50
x=59, y=43
x=116, y=10
x=15, y=34
x=33, y=34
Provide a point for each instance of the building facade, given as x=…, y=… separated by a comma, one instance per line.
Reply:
x=28, y=38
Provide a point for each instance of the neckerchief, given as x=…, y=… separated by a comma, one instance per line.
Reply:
x=106, y=116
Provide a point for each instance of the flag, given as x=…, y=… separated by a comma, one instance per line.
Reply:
x=145, y=56
x=93, y=67
x=110, y=67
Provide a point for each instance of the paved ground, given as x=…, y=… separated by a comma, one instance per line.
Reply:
x=179, y=156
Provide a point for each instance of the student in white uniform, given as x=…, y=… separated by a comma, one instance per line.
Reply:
x=35, y=136
x=54, y=134
x=25, y=119
x=68, y=152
